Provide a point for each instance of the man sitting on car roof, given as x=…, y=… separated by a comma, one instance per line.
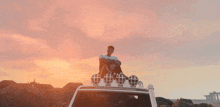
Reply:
x=109, y=64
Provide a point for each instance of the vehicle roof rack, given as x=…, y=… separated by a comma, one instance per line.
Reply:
x=119, y=81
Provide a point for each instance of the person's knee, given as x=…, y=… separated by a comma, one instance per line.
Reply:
x=113, y=66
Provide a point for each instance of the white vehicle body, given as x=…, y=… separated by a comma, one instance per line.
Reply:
x=113, y=96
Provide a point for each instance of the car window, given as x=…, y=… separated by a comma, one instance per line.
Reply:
x=111, y=99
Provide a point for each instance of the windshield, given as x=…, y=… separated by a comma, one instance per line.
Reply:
x=111, y=99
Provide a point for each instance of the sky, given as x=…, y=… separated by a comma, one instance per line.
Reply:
x=172, y=44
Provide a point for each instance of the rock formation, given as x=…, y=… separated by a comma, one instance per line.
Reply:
x=161, y=100
x=6, y=83
x=34, y=95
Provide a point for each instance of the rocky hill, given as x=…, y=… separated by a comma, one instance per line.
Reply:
x=35, y=95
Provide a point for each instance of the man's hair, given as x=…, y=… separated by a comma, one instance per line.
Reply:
x=111, y=47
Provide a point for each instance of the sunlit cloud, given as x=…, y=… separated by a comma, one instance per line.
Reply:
x=69, y=49
x=2, y=73
x=29, y=41
x=25, y=44
x=53, y=65
x=60, y=69
x=93, y=61
x=25, y=65
x=170, y=44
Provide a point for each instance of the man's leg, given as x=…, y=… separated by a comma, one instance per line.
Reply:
x=103, y=73
x=118, y=70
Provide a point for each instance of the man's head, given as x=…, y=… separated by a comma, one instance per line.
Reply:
x=110, y=50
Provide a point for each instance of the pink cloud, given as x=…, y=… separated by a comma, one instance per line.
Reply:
x=112, y=20
x=108, y=24
x=40, y=24
x=25, y=65
x=2, y=74
x=14, y=7
x=68, y=49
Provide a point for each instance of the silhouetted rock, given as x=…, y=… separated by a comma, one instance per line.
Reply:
x=161, y=99
x=35, y=94
x=19, y=95
x=186, y=100
x=160, y=103
x=41, y=86
x=179, y=103
x=72, y=85
x=195, y=105
x=44, y=86
x=205, y=105
x=6, y=83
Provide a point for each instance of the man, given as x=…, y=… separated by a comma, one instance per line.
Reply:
x=109, y=64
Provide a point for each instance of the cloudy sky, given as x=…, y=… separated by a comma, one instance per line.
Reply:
x=172, y=44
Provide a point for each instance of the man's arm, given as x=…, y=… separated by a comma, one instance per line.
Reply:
x=101, y=63
x=107, y=61
x=116, y=61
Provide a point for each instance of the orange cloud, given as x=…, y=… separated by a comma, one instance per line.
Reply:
x=53, y=65
x=93, y=61
x=63, y=70
x=28, y=40
x=2, y=74
x=25, y=65
x=68, y=49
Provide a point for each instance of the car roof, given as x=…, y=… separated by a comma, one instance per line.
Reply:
x=112, y=89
